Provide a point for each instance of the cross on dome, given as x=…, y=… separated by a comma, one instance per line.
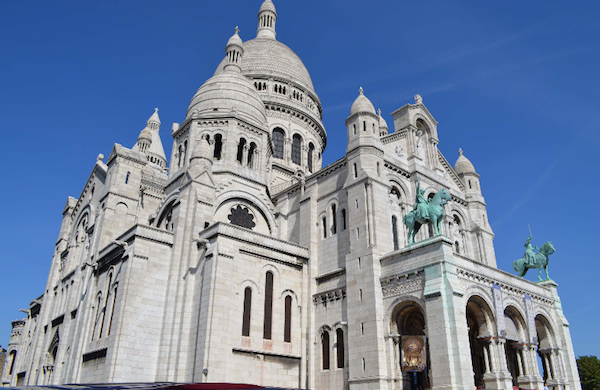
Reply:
x=361, y=91
x=154, y=120
x=460, y=151
x=236, y=29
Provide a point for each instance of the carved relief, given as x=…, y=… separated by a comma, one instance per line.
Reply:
x=399, y=151
x=391, y=290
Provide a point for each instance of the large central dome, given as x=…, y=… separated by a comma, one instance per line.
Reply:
x=265, y=56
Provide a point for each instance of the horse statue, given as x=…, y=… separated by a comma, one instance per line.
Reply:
x=539, y=261
x=431, y=211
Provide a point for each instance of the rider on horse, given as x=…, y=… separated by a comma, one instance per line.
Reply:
x=421, y=202
x=529, y=254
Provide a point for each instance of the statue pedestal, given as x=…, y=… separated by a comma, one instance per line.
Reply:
x=548, y=283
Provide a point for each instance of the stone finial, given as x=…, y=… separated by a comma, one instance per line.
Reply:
x=174, y=127
x=361, y=91
x=100, y=158
x=418, y=99
x=379, y=111
x=460, y=151
x=236, y=29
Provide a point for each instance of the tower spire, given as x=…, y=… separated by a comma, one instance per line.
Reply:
x=267, y=16
x=154, y=121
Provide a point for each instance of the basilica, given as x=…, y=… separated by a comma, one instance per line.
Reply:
x=240, y=258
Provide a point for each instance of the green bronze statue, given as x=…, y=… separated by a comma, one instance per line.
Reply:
x=421, y=202
x=425, y=212
x=534, y=260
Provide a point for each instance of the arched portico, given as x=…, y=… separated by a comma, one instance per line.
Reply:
x=516, y=339
x=482, y=332
x=549, y=351
x=408, y=325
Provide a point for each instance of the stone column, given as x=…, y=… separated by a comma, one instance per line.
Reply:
x=520, y=370
x=287, y=150
x=245, y=155
x=486, y=361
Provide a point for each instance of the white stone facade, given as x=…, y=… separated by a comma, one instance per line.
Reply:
x=243, y=260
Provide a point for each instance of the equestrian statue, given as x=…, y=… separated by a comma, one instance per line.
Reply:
x=534, y=260
x=425, y=212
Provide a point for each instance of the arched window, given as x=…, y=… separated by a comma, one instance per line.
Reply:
x=287, y=327
x=340, y=347
x=309, y=156
x=98, y=308
x=218, y=147
x=334, y=219
x=127, y=177
x=180, y=157
x=325, y=351
x=268, y=306
x=112, y=311
x=278, y=140
x=395, y=232
x=13, y=353
x=184, y=150
x=343, y=219
x=247, y=308
x=110, y=276
x=251, y=152
x=324, y=221
x=296, y=147
x=456, y=247
x=240, y=150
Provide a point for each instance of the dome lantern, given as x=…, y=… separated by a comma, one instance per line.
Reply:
x=267, y=16
x=234, y=52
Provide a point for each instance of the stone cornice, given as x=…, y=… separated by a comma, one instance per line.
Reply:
x=393, y=167
x=332, y=295
x=361, y=113
x=450, y=170
x=254, y=238
x=328, y=275
x=386, y=139
x=409, y=106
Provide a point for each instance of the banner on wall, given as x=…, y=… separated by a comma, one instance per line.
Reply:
x=499, y=308
x=414, y=353
x=530, y=319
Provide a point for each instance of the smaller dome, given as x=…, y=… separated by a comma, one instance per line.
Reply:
x=267, y=5
x=146, y=134
x=235, y=38
x=382, y=122
x=362, y=104
x=226, y=92
x=463, y=165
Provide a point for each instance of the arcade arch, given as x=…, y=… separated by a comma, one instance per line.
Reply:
x=408, y=319
x=481, y=325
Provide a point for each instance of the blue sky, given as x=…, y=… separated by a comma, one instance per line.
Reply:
x=514, y=83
